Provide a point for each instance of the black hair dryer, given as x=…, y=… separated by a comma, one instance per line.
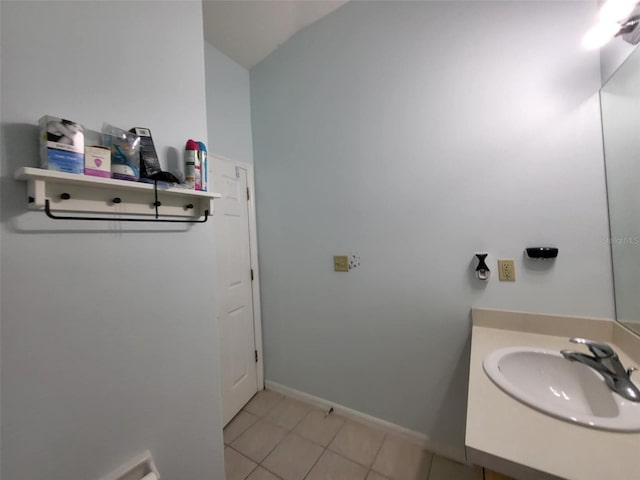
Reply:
x=482, y=271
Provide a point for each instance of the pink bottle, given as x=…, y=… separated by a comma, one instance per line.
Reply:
x=192, y=164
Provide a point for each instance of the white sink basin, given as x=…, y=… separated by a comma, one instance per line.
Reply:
x=570, y=391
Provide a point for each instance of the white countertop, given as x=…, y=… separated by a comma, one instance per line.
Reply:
x=508, y=436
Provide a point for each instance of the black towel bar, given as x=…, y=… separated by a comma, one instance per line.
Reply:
x=50, y=214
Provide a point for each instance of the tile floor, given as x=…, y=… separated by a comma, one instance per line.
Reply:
x=277, y=438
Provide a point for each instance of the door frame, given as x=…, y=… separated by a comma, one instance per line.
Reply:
x=253, y=248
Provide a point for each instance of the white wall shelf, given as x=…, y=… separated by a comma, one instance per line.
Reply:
x=68, y=192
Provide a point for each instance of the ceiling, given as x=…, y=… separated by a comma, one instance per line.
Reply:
x=249, y=30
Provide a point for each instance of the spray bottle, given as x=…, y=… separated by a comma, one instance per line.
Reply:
x=190, y=161
x=204, y=167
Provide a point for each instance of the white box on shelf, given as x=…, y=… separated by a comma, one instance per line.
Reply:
x=61, y=145
x=97, y=161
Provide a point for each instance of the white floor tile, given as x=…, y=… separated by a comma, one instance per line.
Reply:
x=261, y=474
x=402, y=460
x=357, y=443
x=332, y=466
x=258, y=441
x=262, y=402
x=287, y=413
x=236, y=427
x=376, y=476
x=236, y=466
x=319, y=427
x=293, y=458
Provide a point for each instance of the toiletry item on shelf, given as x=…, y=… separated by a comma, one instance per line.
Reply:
x=61, y=145
x=125, y=152
x=204, y=167
x=97, y=161
x=190, y=161
x=198, y=169
x=149, y=162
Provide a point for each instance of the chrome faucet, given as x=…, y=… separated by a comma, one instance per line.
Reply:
x=605, y=361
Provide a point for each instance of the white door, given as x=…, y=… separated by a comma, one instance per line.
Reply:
x=238, y=350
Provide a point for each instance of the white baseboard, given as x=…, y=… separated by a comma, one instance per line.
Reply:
x=418, y=438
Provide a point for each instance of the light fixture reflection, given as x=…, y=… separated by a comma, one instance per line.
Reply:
x=600, y=34
x=616, y=19
x=616, y=10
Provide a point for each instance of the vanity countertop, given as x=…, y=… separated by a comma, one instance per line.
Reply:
x=517, y=440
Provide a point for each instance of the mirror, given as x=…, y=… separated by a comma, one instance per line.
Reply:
x=620, y=100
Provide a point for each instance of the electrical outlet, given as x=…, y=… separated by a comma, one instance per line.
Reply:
x=507, y=270
x=341, y=263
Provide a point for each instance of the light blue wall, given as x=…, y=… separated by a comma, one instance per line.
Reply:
x=109, y=342
x=417, y=134
x=228, y=106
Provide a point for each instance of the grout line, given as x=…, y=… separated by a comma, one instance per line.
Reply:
x=272, y=450
x=242, y=434
x=251, y=472
x=288, y=430
x=315, y=442
x=384, y=439
x=344, y=457
x=344, y=422
x=314, y=463
x=282, y=397
x=303, y=417
x=247, y=428
x=430, y=465
x=251, y=460
x=272, y=473
x=240, y=453
x=269, y=453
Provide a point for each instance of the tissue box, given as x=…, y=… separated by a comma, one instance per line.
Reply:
x=97, y=161
x=61, y=145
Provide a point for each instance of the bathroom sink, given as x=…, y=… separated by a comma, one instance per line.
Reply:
x=544, y=380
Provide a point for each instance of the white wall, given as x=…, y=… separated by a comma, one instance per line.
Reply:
x=416, y=134
x=108, y=333
x=228, y=106
x=613, y=55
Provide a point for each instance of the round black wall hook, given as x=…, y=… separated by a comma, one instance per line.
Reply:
x=65, y=196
